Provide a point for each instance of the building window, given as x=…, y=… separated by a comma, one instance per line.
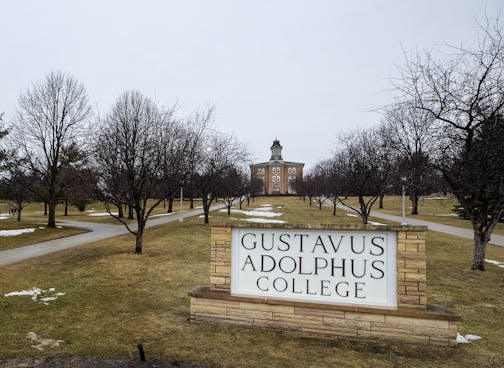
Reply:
x=291, y=170
x=260, y=170
x=275, y=170
x=276, y=188
x=275, y=179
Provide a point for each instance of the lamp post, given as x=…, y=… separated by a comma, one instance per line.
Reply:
x=403, y=179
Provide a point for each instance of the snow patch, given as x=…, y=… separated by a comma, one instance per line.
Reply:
x=265, y=205
x=491, y=261
x=266, y=209
x=375, y=223
x=37, y=294
x=41, y=227
x=256, y=213
x=265, y=221
x=352, y=215
x=42, y=343
x=278, y=206
x=98, y=214
x=90, y=211
x=59, y=227
x=16, y=232
x=467, y=338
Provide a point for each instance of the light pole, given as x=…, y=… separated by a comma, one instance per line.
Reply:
x=403, y=179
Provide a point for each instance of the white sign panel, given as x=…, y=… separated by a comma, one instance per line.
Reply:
x=321, y=266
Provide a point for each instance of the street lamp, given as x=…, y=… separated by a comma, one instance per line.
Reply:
x=403, y=179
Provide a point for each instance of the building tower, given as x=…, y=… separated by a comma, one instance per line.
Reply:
x=277, y=177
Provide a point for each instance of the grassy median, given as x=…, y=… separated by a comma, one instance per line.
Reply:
x=114, y=298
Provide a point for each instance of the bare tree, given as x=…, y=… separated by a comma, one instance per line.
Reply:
x=411, y=134
x=3, y=133
x=15, y=186
x=52, y=115
x=220, y=152
x=233, y=187
x=361, y=165
x=136, y=145
x=464, y=92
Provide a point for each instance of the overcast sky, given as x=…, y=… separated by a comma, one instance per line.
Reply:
x=302, y=71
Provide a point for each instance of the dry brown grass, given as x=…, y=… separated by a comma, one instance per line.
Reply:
x=114, y=298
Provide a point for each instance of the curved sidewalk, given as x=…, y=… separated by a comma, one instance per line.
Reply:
x=96, y=232
x=433, y=226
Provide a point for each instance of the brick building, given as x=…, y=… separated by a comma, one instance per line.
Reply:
x=277, y=175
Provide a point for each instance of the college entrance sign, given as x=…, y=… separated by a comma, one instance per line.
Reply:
x=336, y=267
x=354, y=281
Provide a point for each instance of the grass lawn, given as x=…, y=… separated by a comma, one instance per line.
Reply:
x=41, y=233
x=434, y=209
x=114, y=298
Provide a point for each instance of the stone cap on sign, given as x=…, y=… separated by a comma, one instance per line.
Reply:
x=321, y=226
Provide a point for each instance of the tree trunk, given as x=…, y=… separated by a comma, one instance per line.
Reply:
x=206, y=207
x=19, y=209
x=364, y=213
x=120, y=213
x=241, y=203
x=229, y=209
x=191, y=202
x=164, y=203
x=414, y=203
x=380, y=204
x=248, y=201
x=170, y=205
x=51, y=219
x=334, y=208
x=130, y=213
x=310, y=200
x=141, y=221
x=66, y=206
x=481, y=239
x=320, y=205
x=45, y=208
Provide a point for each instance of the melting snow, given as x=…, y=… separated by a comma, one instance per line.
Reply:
x=41, y=227
x=375, y=223
x=43, y=296
x=497, y=263
x=265, y=205
x=257, y=212
x=267, y=209
x=42, y=343
x=265, y=221
x=352, y=215
x=16, y=232
x=278, y=206
x=90, y=210
x=97, y=214
x=467, y=338
x=59, y=227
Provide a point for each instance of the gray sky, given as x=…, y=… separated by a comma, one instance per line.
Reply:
x=302, y=71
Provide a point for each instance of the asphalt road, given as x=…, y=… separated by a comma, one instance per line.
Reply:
x=96, y=232
x=433, y=226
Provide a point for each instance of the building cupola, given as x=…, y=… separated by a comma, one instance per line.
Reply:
x=276, y=151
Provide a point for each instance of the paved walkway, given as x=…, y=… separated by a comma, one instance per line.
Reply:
x=433, y=226
x=96, y=232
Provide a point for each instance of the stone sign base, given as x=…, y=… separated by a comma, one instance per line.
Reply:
x=412, y=321
x=434, y=326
